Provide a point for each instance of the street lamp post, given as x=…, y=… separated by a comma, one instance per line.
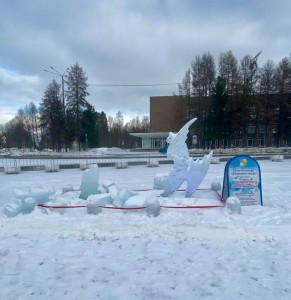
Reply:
x=58, y=74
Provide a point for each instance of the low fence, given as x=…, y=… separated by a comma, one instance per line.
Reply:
x=31, y=164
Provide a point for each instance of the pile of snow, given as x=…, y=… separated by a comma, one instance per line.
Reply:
x=233, y=205
x=115, y=150
x=215, y=186
x=106, y=151
x=153, y=207
x=50, y=152
x=97, y=151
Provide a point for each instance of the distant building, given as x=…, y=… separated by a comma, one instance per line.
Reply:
x=266, y=125
x=166, y=114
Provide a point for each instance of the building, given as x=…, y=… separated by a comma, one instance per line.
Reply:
x=258, y=122
x=166, y=114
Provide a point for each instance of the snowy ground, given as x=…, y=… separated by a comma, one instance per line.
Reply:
x=194, y=254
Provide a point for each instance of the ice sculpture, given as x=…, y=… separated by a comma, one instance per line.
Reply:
x=89, y=184
x=185, y=168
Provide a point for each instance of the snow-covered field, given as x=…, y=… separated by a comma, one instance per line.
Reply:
x=181, y=254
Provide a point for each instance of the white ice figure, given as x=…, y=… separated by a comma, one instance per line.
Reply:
x=185, y=168
x=89, y=184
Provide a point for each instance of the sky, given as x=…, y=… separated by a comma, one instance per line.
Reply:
x=128, y=42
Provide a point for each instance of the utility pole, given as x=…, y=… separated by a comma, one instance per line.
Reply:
x=58, y=74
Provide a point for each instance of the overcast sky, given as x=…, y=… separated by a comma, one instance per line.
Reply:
x=128, y=42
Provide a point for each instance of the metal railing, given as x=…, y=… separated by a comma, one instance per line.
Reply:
x=28, y=164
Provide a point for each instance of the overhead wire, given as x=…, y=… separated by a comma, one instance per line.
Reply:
x=132, y=85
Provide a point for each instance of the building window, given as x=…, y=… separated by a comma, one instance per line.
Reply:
x=240, y=143
x=251, y=129
x=262, y=128
x=274, y=143
x=275, y=128
x=191, y=114
x=250, y=142
x=261, y=142
x=203, y=115
x=156, y=143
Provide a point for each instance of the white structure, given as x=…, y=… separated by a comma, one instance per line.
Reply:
x=121, y=165
x=153, y=163
x=52, y=168
x=185, y=168
x=12, y=170
x=84, y=167
x=215, y=160
x=277, y=158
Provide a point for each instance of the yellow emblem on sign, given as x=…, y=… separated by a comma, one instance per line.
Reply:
x=243, y=162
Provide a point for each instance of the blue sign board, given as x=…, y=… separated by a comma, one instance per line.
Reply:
x=242, y=179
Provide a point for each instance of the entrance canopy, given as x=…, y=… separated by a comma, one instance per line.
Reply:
x=152, y=140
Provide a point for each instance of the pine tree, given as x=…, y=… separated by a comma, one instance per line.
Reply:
x=217, y=121
x=89, y=126
x=102, y=126
x=76, y=93
x=51, y=115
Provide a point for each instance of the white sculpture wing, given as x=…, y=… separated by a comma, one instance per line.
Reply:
x=177, y=146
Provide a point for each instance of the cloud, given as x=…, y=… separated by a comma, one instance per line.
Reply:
x=131, y=42
x=16, y=90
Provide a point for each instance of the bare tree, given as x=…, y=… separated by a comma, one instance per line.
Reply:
x=228, y=69
x=185, y=87
x=267, y=77
x=197, y=77
x=266, y=92
x=283, y=104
